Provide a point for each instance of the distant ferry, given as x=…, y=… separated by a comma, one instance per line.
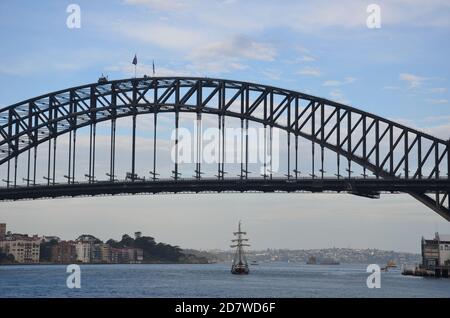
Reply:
x=328, y=261
x=240, y=265
x=390, y=264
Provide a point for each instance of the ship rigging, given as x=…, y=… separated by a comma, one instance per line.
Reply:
x=240, y=265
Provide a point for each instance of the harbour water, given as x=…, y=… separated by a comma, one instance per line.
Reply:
x=214, y=280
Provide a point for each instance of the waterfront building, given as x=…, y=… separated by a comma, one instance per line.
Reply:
x=135, y=255
x=436, y=252
x=83, y=252
x=139, y=255
x=24, y=249
x=120, y=255
x=64, y=252
x=18, y=236
x=2, y=231
x=96, y=256
x=127, y=255
x=105, y=253
x=444, y=249
x=86, y=249
x=100, y=253
x=114, y=255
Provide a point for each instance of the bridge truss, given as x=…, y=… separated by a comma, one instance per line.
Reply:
x=393, y=157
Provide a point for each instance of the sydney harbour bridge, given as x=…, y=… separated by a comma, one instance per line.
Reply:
x=348, y=150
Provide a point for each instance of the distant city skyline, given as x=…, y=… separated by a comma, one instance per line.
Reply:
x=294, y=221
x=399, y=71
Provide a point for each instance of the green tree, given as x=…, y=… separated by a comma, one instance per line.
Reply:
x=153, y=251
x=127, y=241
x=6, y=258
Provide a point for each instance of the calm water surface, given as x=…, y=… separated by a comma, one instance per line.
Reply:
x=214, y=280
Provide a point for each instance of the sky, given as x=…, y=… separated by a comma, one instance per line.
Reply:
x=399, y=71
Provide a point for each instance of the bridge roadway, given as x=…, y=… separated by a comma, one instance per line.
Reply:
x=367, y=187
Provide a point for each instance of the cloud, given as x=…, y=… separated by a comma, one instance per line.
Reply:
x=338, y=96
x=161, y=34
x=437, y=126
x=272, y=74
x=74, y=60
x=201, y=48
x=435, y=119
x=127, y=69
x=437, y=101
x=441, y=131
x=215, y=66
x=230, y=54
x=414, y=81
x=310, y=71
x=391, y=88
x=239, y=46
x=438, y=90
x=200, y=43
x=347, y=80
x=307, y=58
x=160, y=4
x=233, y=16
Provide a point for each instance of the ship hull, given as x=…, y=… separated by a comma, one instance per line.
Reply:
x=240, y=270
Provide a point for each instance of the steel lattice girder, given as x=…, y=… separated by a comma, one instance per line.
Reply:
x=355, y=134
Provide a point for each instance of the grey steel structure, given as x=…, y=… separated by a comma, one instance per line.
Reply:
x=399, y=158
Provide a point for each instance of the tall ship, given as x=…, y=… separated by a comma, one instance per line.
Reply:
x=240, y=265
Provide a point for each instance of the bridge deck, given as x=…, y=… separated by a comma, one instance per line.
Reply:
x=370, y=187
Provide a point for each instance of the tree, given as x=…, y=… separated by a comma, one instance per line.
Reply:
x=113, y=243
x=6, y=258
x=153, y=251
x=127, y=241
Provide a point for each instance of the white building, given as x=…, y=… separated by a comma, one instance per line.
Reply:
x=83, y=250
x=436, y=252
x=444, y=248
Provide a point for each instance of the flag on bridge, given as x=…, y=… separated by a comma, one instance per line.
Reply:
x=134, y=60
x=153, y=67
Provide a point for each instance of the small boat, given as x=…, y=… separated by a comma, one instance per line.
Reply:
x=254, y=263
x=240, y=265
x=391, y=264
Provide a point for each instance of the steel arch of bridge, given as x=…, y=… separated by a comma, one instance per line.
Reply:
x=391, y=151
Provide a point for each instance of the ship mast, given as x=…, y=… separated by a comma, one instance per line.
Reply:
x=239, y=244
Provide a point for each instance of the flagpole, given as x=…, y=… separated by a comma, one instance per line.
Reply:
x=135, y=65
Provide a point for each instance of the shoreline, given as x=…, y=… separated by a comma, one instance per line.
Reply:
x=156, y=263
